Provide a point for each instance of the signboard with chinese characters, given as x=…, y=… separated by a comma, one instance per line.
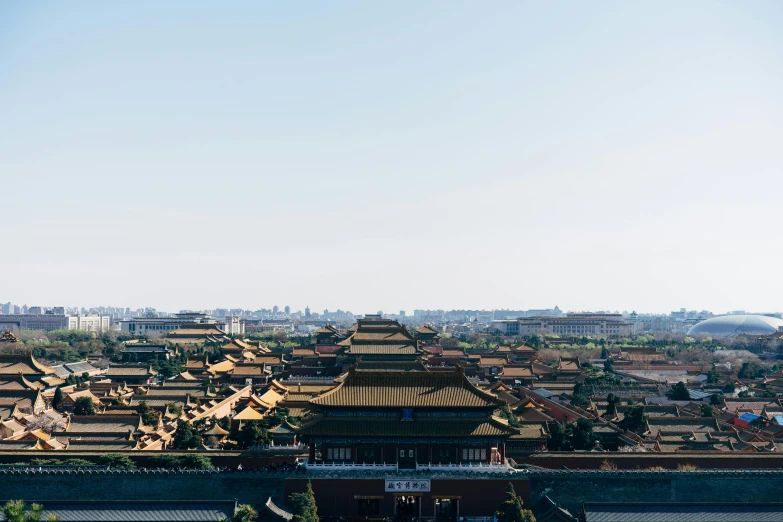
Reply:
x=407, y=486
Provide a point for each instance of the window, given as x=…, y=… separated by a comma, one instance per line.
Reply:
x=329, y=453
x=407, y=414
x=410, y=453
x=402, y=453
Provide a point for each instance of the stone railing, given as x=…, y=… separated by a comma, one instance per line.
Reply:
x=348, y=466
x=283, y=447
x=463, y=467
x=467, y=466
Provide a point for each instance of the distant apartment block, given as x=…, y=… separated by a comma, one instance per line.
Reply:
x=570, y=325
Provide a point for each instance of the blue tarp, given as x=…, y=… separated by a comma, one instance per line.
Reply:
x=749, y=417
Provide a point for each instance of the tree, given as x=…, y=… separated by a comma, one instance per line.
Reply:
x=557, y=438
x=58, y=397
x=608, y=366
x=117, y=461
x=583, y=437
x=578, y=400
x=196, y=461
x=303, y=504
x=84, y=406
x=708, y=410
x=679, y=392
x=634, y=418
x=243, y=513
x=186, y=437
x=252, y=434
x=17, y=511
x=511, y=509
x=46, y=423
x=729, y=388
x=715, y=399
x=148, y=415
x=713, y=376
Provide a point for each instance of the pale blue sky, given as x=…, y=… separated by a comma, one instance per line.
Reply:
x=392, y=155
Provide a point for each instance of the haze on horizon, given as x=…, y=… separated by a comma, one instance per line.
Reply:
x=368, y=155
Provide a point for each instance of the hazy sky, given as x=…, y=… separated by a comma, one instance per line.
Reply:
x=392, y=155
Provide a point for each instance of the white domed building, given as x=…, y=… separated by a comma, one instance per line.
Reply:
x=734, y=325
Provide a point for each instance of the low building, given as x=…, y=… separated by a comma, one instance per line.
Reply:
x=93, y=323
x=604, y=325
x=131, y=374
x=45, y=322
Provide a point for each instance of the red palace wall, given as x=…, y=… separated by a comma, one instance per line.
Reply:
x=477, y=497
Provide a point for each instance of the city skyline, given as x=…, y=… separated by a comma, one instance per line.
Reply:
x=610, y=156
x=386, y=311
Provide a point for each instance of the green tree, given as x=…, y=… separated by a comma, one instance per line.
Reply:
x=165, y=461
x=511, y=509
x=729, y=388
x=196, y=461
x=244, y=513
x=715, y=399
x=708, y=410
x=117, y=461
x=578, y=400
x=583, y=437
x=58, y=397
x=186, y=437
x=679, y=392
x=713, y=376
x=148, y=416
x=557, y=438
x=303, y=505
x=634, y=418
x=608, y=366
x=252, y=433
x=17, y=511
x=84, y=406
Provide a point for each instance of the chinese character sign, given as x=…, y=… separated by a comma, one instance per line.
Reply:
x=407, y=486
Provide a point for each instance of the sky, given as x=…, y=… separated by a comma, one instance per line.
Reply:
x=392, y=155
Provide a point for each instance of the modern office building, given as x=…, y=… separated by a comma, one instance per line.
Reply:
x=93, y=323
x=45, y=322
x=152, y=322
x=571, y=325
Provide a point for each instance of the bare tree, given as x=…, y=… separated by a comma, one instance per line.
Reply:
x=46, y=423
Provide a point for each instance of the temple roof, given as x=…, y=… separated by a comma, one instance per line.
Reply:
x=25, y=364
x=8, y=337
x=18, y=382
x=390, y=389
x=381, y=337
x=372, y=427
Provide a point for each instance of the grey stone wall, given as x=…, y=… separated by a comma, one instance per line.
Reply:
x=571, y=488
x=247, y=488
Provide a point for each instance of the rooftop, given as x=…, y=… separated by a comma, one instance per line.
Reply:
x=393, y=389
